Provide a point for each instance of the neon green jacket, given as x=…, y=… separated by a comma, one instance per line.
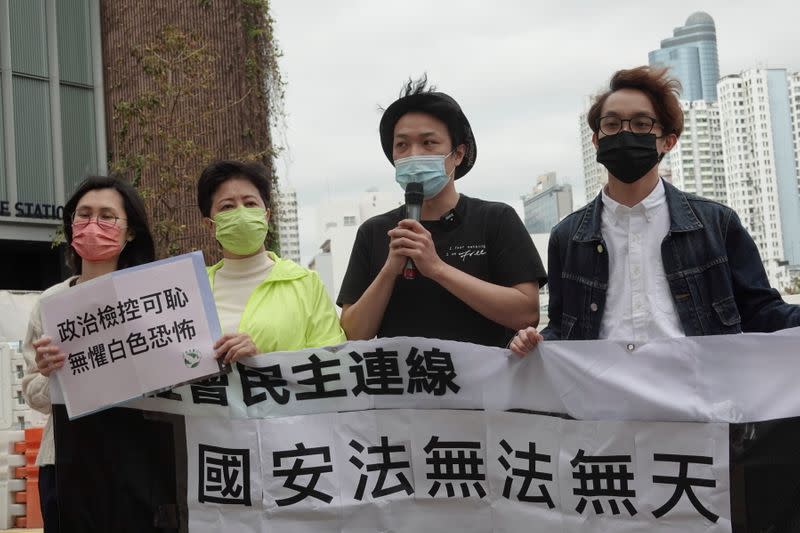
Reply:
x=289, y=310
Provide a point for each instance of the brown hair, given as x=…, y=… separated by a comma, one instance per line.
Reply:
x=662, y=91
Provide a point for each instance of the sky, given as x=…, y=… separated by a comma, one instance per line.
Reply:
x=520, y=69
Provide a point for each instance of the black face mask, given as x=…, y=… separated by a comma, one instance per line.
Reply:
x=628, y=156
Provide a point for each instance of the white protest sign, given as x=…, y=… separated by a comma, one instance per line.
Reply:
x=133, y=331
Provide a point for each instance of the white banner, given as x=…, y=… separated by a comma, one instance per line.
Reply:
x=443, y=470
x=413, y=434
x=132, y=332
x=730, y=378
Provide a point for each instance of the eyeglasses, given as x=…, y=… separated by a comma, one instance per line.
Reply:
x=106, y=220
x=641, y=124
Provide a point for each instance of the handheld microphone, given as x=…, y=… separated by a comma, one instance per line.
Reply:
x=414, y=199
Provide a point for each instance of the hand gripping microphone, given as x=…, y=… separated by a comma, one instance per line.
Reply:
x=413, y=210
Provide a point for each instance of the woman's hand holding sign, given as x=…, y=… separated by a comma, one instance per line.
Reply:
x=233, y=346
x=48, y=356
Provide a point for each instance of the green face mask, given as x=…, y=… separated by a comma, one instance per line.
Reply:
x=243, y=230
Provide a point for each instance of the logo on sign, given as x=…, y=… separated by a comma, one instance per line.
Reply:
x=191, y=358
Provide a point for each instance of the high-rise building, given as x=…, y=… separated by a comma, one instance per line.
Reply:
x=547, y=204
x=794, y=102
x=695, y=165
x=337, y=225
x=595, y=175
x=691, y=56
x=287, y=224
x=761, y=170
x=696, y=161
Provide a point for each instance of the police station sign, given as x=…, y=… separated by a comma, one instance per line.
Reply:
x=31, y=210
x=133, y=331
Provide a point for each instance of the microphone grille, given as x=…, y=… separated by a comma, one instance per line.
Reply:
x=414, y=193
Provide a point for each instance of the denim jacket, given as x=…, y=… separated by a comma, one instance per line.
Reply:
x=711, y=263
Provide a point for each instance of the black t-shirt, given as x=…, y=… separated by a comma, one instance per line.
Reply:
x=484, y=239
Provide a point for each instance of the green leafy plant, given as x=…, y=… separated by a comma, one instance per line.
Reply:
x=165, y=133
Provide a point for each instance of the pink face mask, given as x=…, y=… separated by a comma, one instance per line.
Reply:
x=94, y=243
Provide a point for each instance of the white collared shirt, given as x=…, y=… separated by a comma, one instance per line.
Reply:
x=639, y=305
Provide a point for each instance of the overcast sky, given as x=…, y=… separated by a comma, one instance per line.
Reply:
x=520, y=69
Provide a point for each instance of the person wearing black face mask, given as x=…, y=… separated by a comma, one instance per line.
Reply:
x=645, y=260
x=629, y=155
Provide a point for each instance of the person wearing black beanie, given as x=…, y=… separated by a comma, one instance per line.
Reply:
x=478, y=272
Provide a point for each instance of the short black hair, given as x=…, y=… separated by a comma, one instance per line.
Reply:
x=219, y=172
x=141, y=249
x=417, y=96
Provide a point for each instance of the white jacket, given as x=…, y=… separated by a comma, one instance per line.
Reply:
x=35, y=386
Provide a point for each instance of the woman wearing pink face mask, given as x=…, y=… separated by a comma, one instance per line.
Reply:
x=106, y=227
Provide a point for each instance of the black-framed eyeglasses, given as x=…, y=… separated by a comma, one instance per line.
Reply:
x=106, y=220
x=612, y=124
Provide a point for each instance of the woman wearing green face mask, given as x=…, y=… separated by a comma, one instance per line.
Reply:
x=265, y=303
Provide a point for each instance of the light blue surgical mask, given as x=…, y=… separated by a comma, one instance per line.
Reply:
x=425, y=169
